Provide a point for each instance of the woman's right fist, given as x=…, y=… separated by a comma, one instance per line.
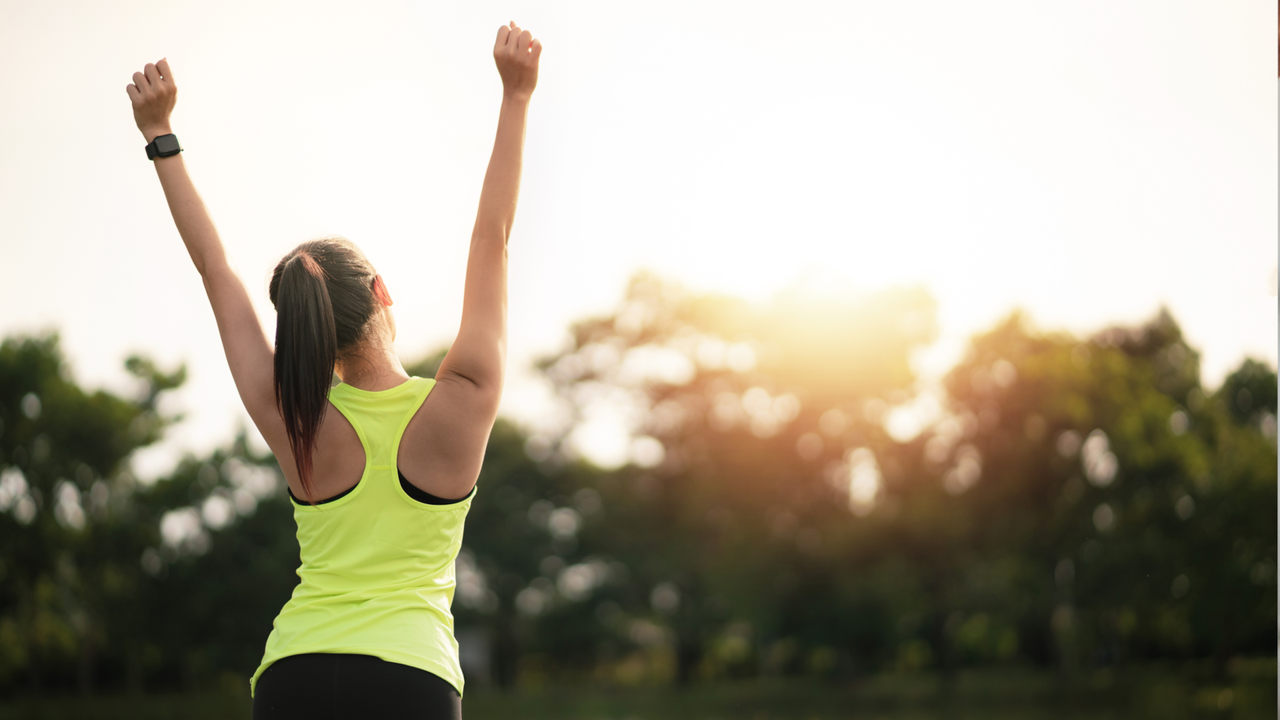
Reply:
x=516, y=54
x=153, y=95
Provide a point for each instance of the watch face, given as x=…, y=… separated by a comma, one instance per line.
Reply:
x=166, y=145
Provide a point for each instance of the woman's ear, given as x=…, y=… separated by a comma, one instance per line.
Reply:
x=380, y=291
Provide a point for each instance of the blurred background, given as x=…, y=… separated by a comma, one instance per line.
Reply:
x=900, y=360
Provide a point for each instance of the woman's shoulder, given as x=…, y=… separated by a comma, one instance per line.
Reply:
x=444, y=443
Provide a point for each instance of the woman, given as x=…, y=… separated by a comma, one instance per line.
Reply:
x=386, y=463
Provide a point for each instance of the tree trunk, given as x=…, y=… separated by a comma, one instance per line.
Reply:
x=84, y=672
x=506, y=653
x=688, y=655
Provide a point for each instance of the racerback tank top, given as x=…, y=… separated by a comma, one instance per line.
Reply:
x=377, y=565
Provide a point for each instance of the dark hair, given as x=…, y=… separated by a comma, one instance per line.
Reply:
x=323, y=295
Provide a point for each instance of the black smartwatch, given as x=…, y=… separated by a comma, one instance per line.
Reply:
x=163, y=146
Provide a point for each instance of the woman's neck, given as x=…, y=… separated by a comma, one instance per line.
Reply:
x=374, y=367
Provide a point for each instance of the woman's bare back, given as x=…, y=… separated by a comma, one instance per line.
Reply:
x=440, y=452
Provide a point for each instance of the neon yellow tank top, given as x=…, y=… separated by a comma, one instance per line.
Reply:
x=377, y=565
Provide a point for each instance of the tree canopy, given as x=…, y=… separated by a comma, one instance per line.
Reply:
x=1074, y=503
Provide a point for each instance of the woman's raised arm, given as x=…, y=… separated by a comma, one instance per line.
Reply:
x=479, y=352
x=248, y=351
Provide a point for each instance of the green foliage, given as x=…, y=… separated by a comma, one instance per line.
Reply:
x=1081, y=505
x=70, y=534
x=1074, y=506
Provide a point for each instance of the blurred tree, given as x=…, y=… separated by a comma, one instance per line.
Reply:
x=1098, y=497
x=1079, y=502
x=1046, y=516
x=65, y=508
x=219, y=556
x=743, y=416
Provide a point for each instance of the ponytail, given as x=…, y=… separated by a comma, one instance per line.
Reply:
x=306, y=350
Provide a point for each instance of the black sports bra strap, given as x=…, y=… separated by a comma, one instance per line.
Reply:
x=410, y=489
x=423, y=496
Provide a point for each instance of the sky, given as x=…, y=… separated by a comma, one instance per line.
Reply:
x=1088, y=162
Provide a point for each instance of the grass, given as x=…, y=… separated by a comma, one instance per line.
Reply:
x=1249, y=691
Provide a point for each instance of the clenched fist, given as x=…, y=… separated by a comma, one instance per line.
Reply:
x=516, y=54
x=153, y=95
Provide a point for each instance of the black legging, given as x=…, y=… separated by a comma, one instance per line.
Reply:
x=330, y=686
